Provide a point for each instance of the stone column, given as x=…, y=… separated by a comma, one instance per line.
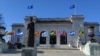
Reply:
x=48, y=39
x=58, y=38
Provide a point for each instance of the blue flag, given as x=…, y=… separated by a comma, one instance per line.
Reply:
x=30, y=7
x=72, y=6
x=19, y=33
x=72, y=33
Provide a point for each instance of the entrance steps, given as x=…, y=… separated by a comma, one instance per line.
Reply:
x=60, y=47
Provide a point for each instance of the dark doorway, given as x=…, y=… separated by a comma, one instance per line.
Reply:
x=43, y=37
x=53, y=37
x=63, y=38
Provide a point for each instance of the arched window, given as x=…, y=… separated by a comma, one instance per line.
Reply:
x=63, y=37
x=53, y=37
x=43, y=36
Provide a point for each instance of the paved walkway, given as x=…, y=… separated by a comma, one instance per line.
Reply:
x=62, y=53
x=50, y=52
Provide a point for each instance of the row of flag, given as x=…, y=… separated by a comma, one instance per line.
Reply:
x=45, y=34
x=12, y=33
x=63, y=33
x=81, y=32
x=53, y=33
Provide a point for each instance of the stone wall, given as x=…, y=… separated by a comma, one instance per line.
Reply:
x=15, y=27
x=54, y=27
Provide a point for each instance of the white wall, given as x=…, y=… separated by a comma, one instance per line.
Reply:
x=58, y=27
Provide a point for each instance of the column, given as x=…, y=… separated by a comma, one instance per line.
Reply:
x=58, y=38
x=48, y=39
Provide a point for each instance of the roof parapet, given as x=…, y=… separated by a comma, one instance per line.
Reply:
x=91, y=24
x=77, y=17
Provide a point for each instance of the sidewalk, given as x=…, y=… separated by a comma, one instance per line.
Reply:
x=50, y=52
x=62, y=53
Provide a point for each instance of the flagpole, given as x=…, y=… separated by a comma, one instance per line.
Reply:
x=73, y=7
x=33, y=11
x=75, y=10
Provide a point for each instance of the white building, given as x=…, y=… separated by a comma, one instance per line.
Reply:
x=54, y=27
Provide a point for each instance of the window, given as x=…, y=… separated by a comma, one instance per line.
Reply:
x=63, y=37
x=43, y=36
x=53, y=37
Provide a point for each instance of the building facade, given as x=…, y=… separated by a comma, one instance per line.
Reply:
x=58, y=32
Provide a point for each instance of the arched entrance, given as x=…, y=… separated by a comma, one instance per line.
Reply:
x=63, y=37
x=43, y=36
x=53, y=37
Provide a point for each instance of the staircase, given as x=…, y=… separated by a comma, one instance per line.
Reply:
x=54, y=47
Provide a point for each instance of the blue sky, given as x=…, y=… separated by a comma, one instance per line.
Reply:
x=14, y=11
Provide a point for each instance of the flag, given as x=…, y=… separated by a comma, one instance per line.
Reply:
x=44, y=34
x=30, y=7
x=53, y=33
x=72, y=33
x=81, y=32
x=19, y=33
x=63, y=33
x=72, y=7
x=10, y=33
x=37, y=34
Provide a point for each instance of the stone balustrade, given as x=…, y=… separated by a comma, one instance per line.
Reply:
x=30, y=51
x=3, y=47
x=92, y=49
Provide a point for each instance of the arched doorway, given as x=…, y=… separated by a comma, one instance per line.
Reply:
x=43, y=36
x=53, y=37
x=63, y=37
